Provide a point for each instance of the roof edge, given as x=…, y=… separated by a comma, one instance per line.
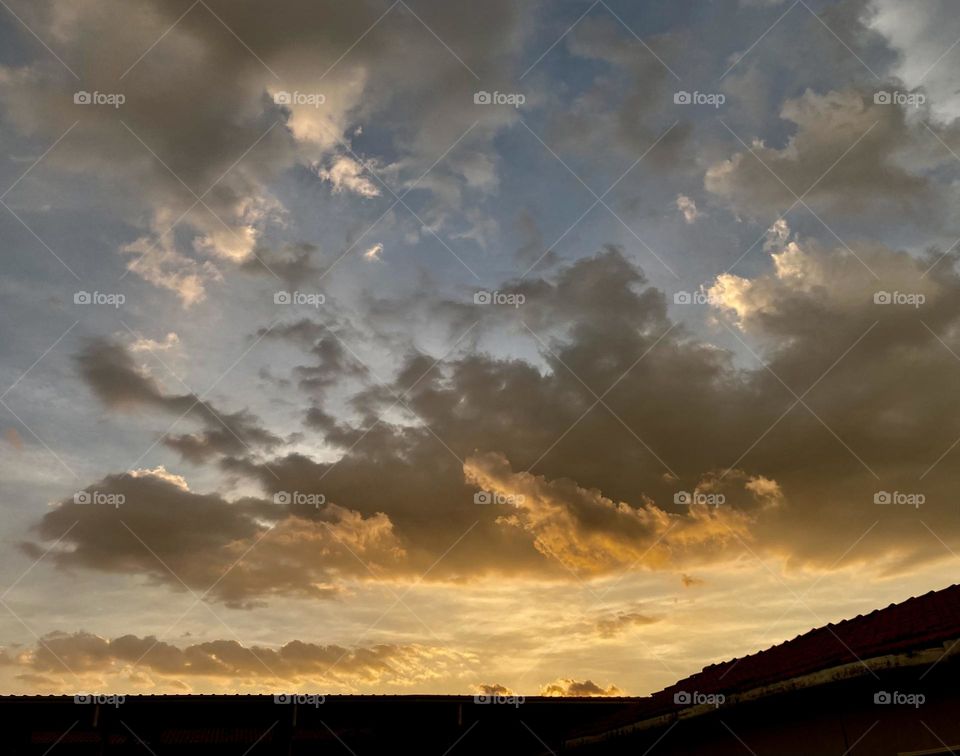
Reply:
x=948, y=649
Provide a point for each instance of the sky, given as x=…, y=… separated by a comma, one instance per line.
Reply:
x=424, y=347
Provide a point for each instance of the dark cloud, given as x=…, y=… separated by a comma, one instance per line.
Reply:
x=689, y=459
x=109, y=369
x=295, y=265
x=622, y=622
x=887, y=156
x=686, y=417
x=232, y=551
x=333, y=363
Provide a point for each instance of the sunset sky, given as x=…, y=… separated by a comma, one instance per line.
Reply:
x=554, y=347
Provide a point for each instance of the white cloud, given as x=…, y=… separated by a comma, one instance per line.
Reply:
x=143, y=344
x=777, y=235
x=346, y=174
x=374, y=252
x=925, y=36
x=160, y=472
x=156, y=259
x=688, y=207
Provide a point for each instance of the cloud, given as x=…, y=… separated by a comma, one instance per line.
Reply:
x=59, y=660
x=588, y=532
x=373, y=253
x=194, y=161
x=922, y=40
x=109, y=369
x=806, y=272
x=566, y=687
x=766, y=490
x=233, y=551
x=143, y=344
x=333, y=362
x=688, y=417
x=404, y=435
x=688, y=208
x=158, y=260
x=160, y=472
x=884, y=162
x=294, y=264
x=693, y=456
x=346, y=174
x=622, y=622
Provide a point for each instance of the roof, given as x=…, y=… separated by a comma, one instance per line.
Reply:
x=920, y=623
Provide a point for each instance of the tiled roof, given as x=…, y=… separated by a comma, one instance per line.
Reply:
x=923, y=621
x=918, y=623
